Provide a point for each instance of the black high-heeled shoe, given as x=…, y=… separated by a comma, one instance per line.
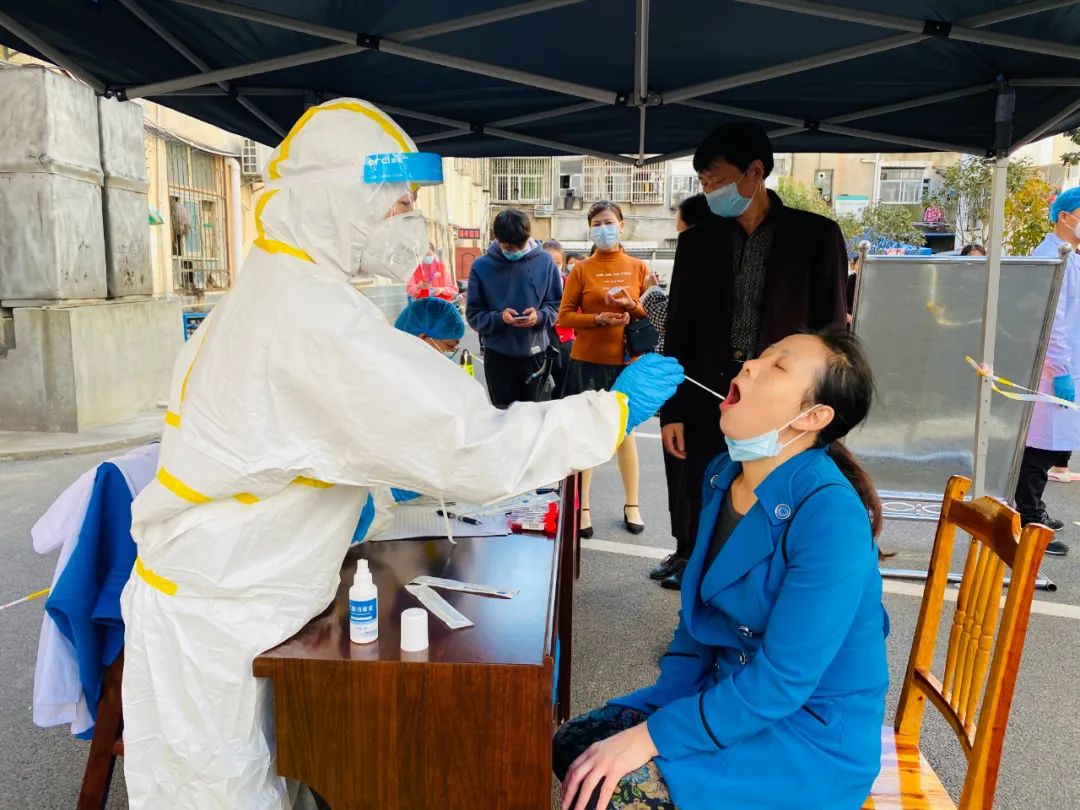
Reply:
x=633, y=528
x=587, y=533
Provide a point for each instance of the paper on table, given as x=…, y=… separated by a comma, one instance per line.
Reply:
x=422, y=521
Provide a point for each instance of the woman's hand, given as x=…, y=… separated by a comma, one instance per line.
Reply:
x=607, y=761
x=651, y=280
x=621, y=298
x=613, y=319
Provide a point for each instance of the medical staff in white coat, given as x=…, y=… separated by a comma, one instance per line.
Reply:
x=1055, y=429
x=292, y=400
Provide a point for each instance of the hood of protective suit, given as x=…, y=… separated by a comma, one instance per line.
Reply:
x=317, y=206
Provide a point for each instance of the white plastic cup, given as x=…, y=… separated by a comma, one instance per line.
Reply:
x=414, y=629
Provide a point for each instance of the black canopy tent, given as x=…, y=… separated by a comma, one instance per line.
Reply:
x=612, y=78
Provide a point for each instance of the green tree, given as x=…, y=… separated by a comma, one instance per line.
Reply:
x=965, y=194
x=876, y=222
x=1072, y=158
x=796, y=195
x=1027, y=216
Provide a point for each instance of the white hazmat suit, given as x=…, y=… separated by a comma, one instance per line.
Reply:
x=292, y=399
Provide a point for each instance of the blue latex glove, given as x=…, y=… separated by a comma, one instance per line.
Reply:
x=402, y=495
x=647, y=384
x=1065, y=388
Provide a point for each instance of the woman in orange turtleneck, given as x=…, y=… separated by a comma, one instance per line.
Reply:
x=602, y=295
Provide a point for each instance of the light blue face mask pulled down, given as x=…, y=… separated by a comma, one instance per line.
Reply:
x=606, y=237
x=726, y=201
x=515, y=255
x=767, y=445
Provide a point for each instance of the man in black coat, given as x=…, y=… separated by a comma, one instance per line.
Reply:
x=752, y=274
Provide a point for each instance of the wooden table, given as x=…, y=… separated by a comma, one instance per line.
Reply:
x=465, y=724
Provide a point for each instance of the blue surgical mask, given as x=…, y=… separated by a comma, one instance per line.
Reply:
x=606, y=237
x=726, y=201
x=767, y=445
x=515, y=255
x=428, y=260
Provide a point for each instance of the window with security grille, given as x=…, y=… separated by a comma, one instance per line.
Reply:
x=902, y=186
x=197, y=213
x=683, y=186
x=521, y=180
x=622, y=183
x=249, y=157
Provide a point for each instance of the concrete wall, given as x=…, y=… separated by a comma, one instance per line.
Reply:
x=79, y=367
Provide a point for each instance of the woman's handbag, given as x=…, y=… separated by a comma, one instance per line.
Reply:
x=641, y=337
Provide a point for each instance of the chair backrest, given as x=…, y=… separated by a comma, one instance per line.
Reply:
x=974, y=659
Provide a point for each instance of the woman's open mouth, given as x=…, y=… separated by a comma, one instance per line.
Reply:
x=733, y=397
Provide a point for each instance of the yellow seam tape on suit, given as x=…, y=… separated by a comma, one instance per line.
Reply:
x=156, y=581
x=246, y=498
x=179, y=488
x=172, y=418
x=311, y=482
x=624, y=416
x=275, y=245
x=387, y=125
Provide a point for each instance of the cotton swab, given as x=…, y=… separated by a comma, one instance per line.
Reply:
x=704, y=388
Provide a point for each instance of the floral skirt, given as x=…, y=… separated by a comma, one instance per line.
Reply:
x=643, y=789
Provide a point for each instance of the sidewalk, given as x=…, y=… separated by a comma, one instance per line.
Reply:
x=16, y=445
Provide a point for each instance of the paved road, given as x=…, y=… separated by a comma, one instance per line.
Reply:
x=41, y=768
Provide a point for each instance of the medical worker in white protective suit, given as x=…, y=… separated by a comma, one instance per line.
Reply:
x=292, y=399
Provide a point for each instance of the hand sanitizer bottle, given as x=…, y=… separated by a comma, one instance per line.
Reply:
x=363, y=607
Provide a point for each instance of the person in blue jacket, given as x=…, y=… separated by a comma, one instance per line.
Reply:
x=771, y=694
x=512, y=303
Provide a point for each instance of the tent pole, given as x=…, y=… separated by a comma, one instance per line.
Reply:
x=50, y=53
x=958, y=31
x=989, y=330
x=174, y=42
x=641, y=73
x=241, y=71
x=1003, y=129
x=544, y=115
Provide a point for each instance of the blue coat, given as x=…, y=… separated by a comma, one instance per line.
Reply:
x=772, y=692
x=496, y=283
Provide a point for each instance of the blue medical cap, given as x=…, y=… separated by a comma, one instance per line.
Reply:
x=1065, y=201
x=432, y=317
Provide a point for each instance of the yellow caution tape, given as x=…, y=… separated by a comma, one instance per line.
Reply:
x=1019, y=392
x=29, y=598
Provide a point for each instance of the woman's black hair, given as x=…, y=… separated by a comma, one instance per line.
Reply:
x=694, y=210
x=847, y=386
x=573, y=256
x=969, y=249
x=604, y=205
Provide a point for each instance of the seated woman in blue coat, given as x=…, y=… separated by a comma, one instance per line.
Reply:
x=771, y=694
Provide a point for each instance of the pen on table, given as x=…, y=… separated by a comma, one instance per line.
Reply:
x=462, y=518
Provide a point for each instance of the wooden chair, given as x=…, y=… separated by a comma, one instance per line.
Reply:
x=906, y=781
x=107, y=743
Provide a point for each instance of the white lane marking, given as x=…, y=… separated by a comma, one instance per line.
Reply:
x=625, y=548
x=915, y=589
x=1039, y=606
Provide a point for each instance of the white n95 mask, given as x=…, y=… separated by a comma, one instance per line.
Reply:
x=395, y=247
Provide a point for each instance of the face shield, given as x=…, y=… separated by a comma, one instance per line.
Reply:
x=393, y=246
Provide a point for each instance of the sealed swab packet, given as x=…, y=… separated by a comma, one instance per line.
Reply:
x=464, y=587
x=442, y=609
